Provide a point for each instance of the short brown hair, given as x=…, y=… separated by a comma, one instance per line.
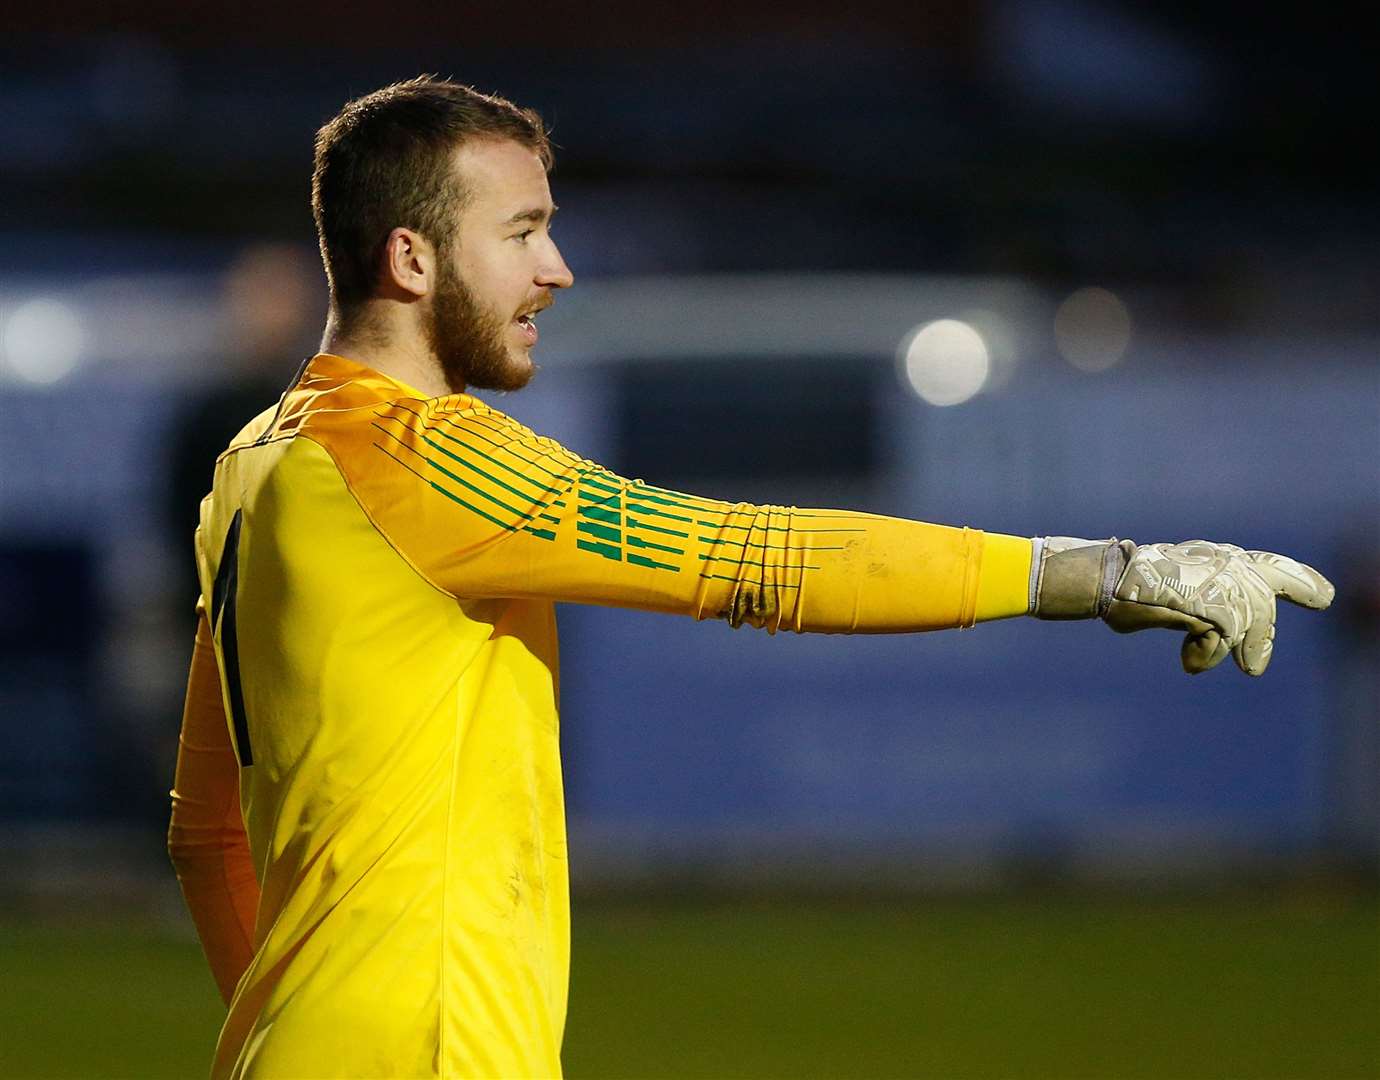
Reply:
x=384, y=161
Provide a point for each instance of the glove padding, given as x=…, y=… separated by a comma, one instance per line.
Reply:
x=1222, y=596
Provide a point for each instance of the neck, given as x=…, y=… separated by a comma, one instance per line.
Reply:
x=387, y=349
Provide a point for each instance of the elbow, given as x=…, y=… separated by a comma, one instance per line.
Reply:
x=182, y=841
x=192, y=844
x=182, y=850
x=176, y=843
x=756, y=605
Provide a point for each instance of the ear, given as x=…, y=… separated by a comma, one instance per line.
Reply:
x=409, y=264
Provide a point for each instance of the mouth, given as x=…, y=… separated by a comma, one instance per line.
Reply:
x=527, y=329
x=526, y=325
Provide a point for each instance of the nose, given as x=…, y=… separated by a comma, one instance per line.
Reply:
x=554, y=272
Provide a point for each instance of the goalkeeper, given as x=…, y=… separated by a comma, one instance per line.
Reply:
x=368, y=821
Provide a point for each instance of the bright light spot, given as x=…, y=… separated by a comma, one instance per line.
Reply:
x=945, y=362
x=1092, y=328
x=1000, y=338
x=43, y=341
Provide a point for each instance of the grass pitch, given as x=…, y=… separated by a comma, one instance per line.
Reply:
x=1033, y=987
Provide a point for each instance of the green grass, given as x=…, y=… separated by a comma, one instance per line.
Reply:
x=1003, y=988
x=104, y=1002
x=999, y=989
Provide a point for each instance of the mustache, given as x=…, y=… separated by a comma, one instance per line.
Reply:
x=542, y=303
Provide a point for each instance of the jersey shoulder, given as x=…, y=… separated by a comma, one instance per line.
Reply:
x=390, y=442
x=444, y=479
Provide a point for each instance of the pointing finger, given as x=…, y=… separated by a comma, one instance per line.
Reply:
x=1297, y=582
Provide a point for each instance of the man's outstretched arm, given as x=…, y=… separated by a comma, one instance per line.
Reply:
x=206, y=838
x=483, y=507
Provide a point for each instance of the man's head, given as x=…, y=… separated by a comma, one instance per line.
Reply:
x=434, y=195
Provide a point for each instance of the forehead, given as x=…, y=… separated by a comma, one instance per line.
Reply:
x=500, y=175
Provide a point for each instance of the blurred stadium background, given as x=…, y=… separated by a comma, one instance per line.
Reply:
x=1058, y=267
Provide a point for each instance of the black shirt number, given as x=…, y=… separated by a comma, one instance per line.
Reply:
x=223, y=618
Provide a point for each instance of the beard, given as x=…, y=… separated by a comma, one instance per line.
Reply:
x=469, y=342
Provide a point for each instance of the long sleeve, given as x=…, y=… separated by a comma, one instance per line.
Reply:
x=483, y=507
x=206, y=838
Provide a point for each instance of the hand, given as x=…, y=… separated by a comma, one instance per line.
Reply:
x=1222, y=596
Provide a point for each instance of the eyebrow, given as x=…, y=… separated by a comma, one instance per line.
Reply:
x=534, y=214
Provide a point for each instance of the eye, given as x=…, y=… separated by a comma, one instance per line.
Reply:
x=521, y=237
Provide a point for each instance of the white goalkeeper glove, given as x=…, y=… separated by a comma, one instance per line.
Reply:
x=1221, y=596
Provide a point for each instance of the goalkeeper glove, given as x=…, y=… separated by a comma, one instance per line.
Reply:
x=1221, y=596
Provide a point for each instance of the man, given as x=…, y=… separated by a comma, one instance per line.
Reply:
x=368, y=820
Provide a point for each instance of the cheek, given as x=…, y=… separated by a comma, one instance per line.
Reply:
x=498, y=280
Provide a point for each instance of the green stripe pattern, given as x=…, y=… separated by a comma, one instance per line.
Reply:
x=622, y=521
x=473, y=478
x=611, y=525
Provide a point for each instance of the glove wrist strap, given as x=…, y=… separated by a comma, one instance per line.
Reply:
x=1073, y=578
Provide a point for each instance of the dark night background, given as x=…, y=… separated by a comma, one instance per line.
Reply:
x=763, y=206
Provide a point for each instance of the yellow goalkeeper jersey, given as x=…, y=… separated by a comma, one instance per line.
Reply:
x=378, y=571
